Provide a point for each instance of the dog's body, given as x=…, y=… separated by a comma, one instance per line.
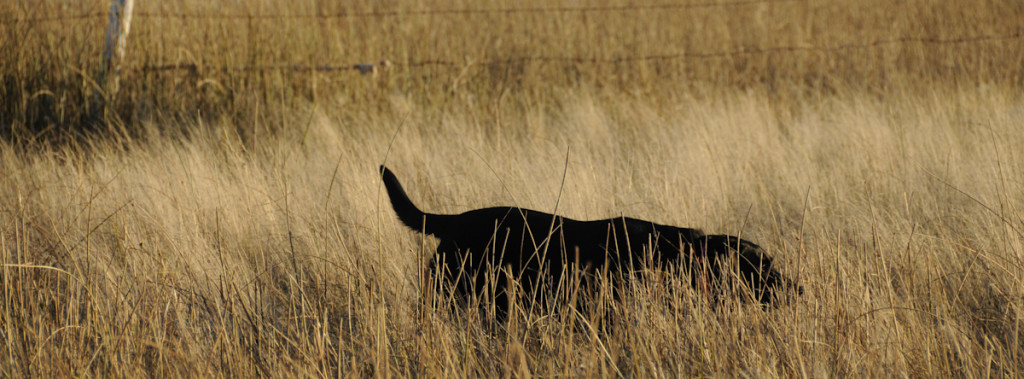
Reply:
x=537, y=248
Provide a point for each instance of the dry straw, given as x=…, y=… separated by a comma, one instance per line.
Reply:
x=227, y=222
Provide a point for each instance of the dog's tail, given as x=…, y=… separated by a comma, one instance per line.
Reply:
x=410, y=215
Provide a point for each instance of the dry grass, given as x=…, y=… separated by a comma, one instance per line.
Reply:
x=241, y=67
x=196, y=256
x=231, y=222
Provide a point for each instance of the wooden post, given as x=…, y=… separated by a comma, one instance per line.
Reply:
x=114, y=47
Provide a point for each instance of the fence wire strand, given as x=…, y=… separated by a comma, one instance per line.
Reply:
x=617, y=60
x=414, y=12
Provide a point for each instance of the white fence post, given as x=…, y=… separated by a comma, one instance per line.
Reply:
x=114, y=47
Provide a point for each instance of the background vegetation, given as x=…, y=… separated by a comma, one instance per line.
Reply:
x=254, y=62
x=221, y=214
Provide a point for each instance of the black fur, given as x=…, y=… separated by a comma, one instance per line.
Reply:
x=536, y=247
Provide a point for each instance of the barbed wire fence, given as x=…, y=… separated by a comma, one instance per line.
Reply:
x=368, y=67
x=617, y=60
x=407, y=12
x=105, y=99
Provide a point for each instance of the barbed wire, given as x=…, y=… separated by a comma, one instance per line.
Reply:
x=413, y=12
x=488, y=11
x=518, y=60
x=194, y=68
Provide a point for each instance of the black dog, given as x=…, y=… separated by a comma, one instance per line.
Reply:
x=486, y=246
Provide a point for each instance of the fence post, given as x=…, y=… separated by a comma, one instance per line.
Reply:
x=114, y=48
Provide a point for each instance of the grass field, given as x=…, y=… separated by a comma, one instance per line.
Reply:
x=227, y=222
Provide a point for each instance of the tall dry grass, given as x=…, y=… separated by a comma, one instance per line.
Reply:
x=237, y=59
x=226, y=218
x=205, y=255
